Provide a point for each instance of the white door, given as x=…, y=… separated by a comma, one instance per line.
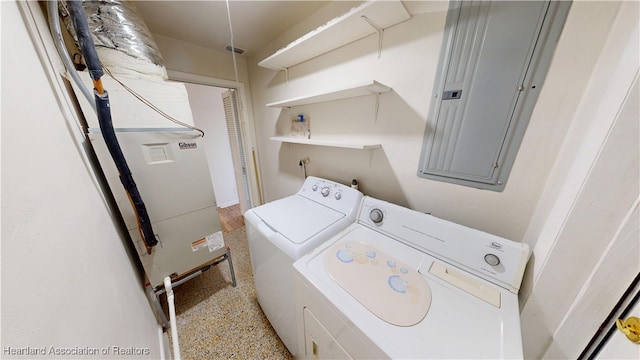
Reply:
x=232, y=114
x=600, y=239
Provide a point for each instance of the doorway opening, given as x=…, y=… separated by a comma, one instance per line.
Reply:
x=217, y=109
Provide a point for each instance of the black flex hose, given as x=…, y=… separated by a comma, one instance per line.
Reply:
x=109, y=134
x=90, y=54
x=85, y=40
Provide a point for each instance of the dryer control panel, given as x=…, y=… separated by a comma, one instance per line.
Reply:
x=495, y=259
x=334, y=195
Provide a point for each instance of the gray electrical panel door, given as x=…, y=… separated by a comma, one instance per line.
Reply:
x=493, y=60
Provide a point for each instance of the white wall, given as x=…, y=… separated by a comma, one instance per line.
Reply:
x=408, y=65
x=182, y=56
x=67, y=280
x=208, y=114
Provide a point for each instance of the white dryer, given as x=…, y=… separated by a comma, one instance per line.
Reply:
x=406, y=285
x=281, y=231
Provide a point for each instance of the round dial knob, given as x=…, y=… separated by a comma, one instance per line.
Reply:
x=314, y=187
x=338, y=196
x=492, y=259
x=324, y=191
x=376, y=215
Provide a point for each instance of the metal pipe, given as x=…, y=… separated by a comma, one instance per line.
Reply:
x=54, y=26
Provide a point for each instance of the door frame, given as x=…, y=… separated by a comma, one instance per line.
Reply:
x=247, y=126
x=579, y=249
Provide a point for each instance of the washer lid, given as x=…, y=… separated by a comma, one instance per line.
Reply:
x=297, y=218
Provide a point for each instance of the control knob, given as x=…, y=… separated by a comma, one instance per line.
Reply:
x=325, y=191
x=492, y=259
x=338, y=196
x=314, y=187
x=376, y=215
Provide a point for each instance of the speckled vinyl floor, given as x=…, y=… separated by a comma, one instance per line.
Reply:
x=216, y=320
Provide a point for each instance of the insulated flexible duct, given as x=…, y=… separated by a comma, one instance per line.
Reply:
x=126, y=50
x=123, y=41
x=90, y=54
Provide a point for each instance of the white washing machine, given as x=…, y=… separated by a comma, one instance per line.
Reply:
x=402, y=284
x=281, y=231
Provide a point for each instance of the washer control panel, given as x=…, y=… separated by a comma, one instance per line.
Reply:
x=332, y=194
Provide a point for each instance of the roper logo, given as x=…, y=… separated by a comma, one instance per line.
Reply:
x=187, y=145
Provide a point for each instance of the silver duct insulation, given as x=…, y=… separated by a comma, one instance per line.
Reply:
x=122, y=39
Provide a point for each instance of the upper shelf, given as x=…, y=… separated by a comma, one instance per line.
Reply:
x=327, y=142
x=340, y=31
x=371, y=87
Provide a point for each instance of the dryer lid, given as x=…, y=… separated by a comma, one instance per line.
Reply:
x=297, y=218
x=390, y=289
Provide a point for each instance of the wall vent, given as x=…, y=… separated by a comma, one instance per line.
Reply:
x=237, y=50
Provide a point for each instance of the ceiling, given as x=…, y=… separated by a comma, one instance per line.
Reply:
x=205, y=23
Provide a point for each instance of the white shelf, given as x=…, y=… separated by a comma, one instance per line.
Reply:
x=338, y=32
x=331, y=143
x=372, y=87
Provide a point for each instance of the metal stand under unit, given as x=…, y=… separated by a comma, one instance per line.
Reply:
x=154, y=293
